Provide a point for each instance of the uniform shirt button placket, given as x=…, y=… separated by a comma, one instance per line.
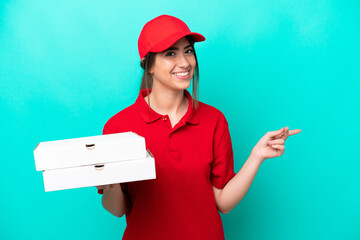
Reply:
x=164, y=118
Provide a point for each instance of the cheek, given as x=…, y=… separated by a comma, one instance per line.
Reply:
x=167, y=66
x=162, y=67
x=192, y=62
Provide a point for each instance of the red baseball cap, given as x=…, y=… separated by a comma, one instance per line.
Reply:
x=163, y=31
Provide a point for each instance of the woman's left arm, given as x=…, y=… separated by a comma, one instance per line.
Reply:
x=269, y=146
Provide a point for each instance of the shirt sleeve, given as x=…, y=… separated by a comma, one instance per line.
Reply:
x=109, y=128
x=222, y=169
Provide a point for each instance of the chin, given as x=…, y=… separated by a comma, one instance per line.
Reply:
x=176, y=85
x=185, y=86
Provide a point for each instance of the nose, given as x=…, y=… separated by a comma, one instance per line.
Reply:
x=183, y=62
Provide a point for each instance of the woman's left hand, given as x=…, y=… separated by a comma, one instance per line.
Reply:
x=272, y=144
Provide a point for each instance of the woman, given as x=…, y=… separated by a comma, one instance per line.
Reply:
x=190, y=141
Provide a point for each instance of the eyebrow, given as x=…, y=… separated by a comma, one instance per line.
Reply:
x=175, y=48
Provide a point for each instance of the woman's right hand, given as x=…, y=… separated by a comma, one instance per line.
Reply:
x=101, y=188
x=113, y=198
x=108, y=186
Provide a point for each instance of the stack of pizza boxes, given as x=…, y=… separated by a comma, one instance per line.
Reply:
x=94, y=161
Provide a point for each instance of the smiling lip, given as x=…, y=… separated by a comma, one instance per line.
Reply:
x=182, y=75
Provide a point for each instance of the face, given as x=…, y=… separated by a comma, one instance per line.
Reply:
x=174, y=67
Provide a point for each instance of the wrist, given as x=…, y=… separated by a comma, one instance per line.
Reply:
x=254, y=157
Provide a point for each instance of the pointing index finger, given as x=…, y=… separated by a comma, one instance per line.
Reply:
x=293, y=132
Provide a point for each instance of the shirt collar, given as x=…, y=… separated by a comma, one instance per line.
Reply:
x=151, y=116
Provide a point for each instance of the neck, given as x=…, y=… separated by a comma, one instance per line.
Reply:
x=167, y=102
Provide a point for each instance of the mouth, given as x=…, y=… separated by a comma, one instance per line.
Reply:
x=182, y=75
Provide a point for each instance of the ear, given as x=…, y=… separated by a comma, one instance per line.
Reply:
x=142, y=62
x=151, y=70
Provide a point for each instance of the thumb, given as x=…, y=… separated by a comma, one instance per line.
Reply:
x=275, y=133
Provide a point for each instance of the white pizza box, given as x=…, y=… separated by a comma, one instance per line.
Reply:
x=89, y=150
x=100, y=174
x=94, y=161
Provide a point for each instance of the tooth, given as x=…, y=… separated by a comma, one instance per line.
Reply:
x=182, y=74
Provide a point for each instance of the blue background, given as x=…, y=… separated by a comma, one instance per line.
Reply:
x=67, y=66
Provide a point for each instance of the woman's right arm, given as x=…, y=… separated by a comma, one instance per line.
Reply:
x=113, y=199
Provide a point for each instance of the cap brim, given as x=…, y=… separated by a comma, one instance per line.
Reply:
x=166, y=43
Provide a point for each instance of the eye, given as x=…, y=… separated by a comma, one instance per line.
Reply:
x=190, y=51
x=170, y=54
